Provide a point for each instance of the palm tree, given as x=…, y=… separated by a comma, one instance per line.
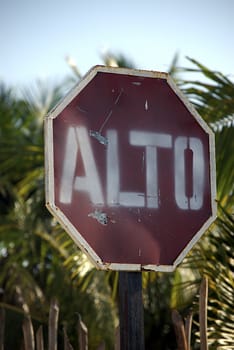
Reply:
x=212, y=256
x=33, y=248
x=41, y=260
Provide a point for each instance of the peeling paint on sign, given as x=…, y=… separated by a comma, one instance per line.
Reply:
x=102, y=139
x=146, y=105
x=101, y=217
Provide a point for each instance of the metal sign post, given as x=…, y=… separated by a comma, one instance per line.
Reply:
x=131, y=314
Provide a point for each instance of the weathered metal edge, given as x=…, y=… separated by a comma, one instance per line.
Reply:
x=90, y=75
x=212, y=165
x=50, y=199
x=65, y=223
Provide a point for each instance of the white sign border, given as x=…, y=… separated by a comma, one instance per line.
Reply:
x=49, y=170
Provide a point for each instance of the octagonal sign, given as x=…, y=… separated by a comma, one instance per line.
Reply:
x=130, y=169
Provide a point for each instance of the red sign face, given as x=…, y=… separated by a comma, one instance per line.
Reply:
x=130, y=169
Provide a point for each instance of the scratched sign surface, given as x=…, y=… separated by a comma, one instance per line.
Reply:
x=130, y=169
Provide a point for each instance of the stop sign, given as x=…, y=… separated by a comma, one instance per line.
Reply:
x=130, y=169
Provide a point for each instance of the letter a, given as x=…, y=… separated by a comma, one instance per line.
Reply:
x=78, y=139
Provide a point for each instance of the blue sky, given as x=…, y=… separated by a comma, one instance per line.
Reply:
x=36, y=36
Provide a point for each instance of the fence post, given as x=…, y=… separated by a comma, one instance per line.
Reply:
x=203, y=313
x=67, y=344
x=39, y=339
x=82, y=334
x=179, y=330
x=53, y=325
x=29, y=341
x=188, y=328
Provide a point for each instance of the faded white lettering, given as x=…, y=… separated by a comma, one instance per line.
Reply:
x=152, y=141
x=78, y=138
x=114, y=195
x=194, y=202
x=78, y=142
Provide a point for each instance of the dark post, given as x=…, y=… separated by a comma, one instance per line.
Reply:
x=131, y=311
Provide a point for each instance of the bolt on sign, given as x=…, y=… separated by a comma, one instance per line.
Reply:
x=130, y=169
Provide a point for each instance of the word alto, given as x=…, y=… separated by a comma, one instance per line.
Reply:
x=78, y=139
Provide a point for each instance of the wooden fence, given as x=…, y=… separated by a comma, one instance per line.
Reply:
x=35, y=340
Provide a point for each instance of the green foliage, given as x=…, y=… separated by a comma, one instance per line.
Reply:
x=39, y=261
x=34, y=250
x=212, y=255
